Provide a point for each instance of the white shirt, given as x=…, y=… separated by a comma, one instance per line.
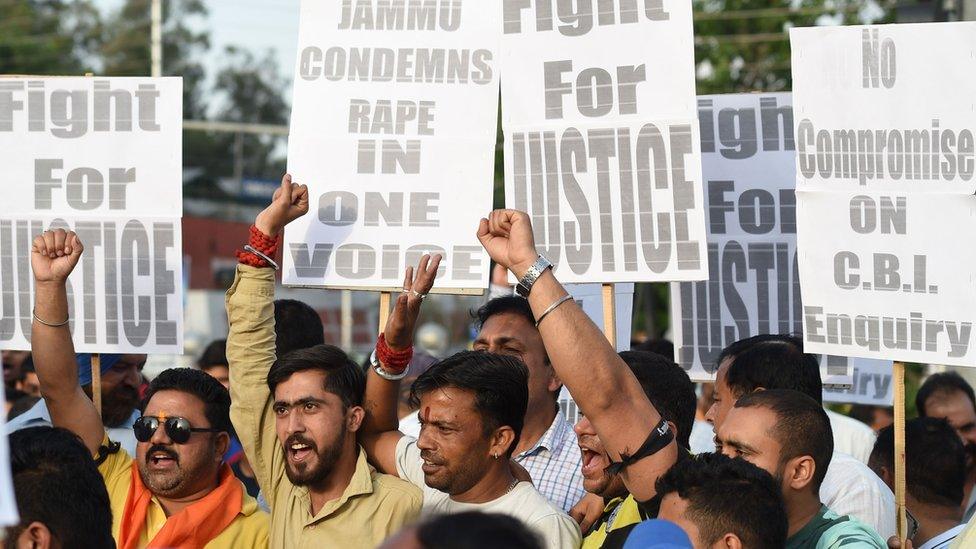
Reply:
x=943, y=540
x=851, y=488
x=410, y=425
x=702, y=438
x=523, y=502
x=851, y=437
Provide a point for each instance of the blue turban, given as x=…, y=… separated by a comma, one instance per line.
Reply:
x=85, y=365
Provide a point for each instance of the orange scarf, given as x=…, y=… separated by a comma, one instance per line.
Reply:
x=194, y=526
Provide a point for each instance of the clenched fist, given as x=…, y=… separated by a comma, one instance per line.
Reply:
x=54, y=255
x=507, y=237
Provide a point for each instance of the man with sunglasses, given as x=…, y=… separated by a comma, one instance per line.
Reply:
x=176, y=492
x=298, y=414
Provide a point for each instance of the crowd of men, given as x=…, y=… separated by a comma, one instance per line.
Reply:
x=279, y=439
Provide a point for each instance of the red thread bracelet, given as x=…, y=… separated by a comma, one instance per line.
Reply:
x=394, y=362
x=261, y=242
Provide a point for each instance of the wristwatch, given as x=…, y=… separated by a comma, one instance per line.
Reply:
x=524, y=285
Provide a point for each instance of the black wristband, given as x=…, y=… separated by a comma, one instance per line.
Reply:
x=657, y=440
x=106, y=450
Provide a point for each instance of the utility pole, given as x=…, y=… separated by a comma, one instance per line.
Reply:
x=157, y=38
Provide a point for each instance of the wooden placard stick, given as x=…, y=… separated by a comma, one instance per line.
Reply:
x=96, y=384
x=899, y=425
x=610, y=315
x=384, y=310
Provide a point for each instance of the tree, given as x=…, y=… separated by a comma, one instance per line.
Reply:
x=125, y=50
x=48, y=36
x=743, y=45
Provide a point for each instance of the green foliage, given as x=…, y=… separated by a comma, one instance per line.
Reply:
x=743, y=45
x=47, y=37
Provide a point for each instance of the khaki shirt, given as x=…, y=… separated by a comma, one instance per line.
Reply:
x=373, y=507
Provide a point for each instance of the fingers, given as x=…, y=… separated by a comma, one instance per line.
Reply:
x=74, y=245
x=408, y=280
x=284, y=190
x=484, y=232
x=39, y=246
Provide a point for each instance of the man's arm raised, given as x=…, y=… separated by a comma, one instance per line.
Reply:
x=251, y=342
x=380, y=432
x=600, y=382
x=54, y=255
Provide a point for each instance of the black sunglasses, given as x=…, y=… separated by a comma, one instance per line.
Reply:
x=178, y=429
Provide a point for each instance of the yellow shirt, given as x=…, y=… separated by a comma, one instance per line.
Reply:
x=618, y=514
x=249, y=529
x=373, y=507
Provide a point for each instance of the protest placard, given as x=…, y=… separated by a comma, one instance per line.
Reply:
x=601, y=144
x=885, y=178
x=871, y=384
x=102, y=157
x=748, y=166
x=393, y=129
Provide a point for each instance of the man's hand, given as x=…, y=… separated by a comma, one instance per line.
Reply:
x=289, y=203
x=54, y=255
x=507, y=237
x=587, y=511
x=400, y=326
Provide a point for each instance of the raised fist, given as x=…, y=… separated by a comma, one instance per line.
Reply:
x=54, y=255
x=289, y=203
x=507, y=236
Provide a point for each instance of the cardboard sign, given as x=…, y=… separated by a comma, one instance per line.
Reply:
x=393, y=129
x=601, y=144
x=871, y=385
x=753, y=288
x=886, y=170
x=102, y=157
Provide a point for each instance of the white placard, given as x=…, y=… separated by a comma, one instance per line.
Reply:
x=885, y=169
x=908, y=296
x=393, y=128
x=125, y=295
x=753, y=288
x=886, y=108
x=871, y=385
x=601, y=144
x=107, y=147
x=103, y=157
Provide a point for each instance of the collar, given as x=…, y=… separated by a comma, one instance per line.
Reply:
x=360, y=484
x=554, y=438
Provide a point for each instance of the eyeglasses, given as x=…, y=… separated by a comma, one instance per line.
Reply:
x=178, y=429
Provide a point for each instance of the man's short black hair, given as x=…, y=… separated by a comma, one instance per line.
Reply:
x=57, y=484
x=663, y=347
x=726, y=495
x=944, y=383
x=297, y=326
x=343, y=377
x=935, y=461
x=214, y=355
x=668, y=387
x=772, y=361
x=802, y=427
x=511, y=304
x=215, y=398
x=500, y=384
x=472, y=529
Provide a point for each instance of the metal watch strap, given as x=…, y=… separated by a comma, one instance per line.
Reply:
x=524, y=285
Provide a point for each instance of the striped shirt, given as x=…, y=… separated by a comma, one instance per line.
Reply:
x=555, y=464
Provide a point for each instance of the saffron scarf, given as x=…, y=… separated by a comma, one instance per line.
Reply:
x=194, y=526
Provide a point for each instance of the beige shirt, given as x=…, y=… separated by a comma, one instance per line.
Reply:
x=373, y=507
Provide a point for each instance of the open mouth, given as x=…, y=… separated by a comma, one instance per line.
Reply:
x=299, y=452
x=430, y=467
x=161, y=460
x=593, y=462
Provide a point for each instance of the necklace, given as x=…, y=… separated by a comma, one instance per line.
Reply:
x=512, y=486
